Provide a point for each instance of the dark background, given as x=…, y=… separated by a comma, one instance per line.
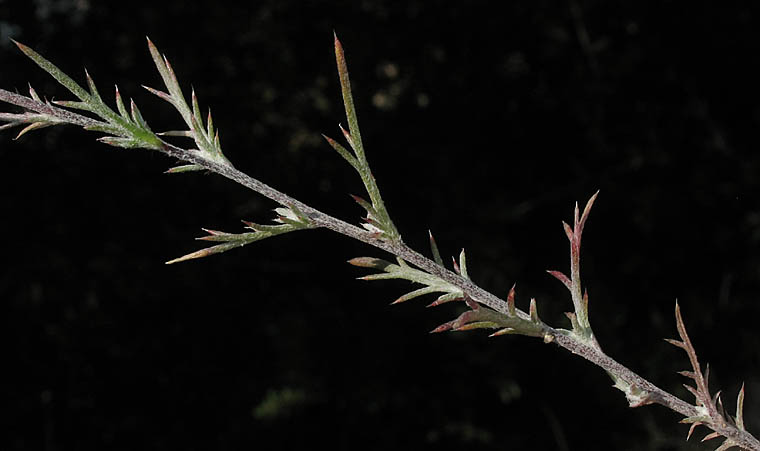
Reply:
x=482, y=123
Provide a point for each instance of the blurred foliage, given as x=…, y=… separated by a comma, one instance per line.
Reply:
x=505, y=114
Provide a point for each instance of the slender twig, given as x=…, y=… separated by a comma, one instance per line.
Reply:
x=487, y=310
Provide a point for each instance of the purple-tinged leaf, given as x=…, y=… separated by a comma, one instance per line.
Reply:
x=444, y=298
x=534, y=311
x=587, y=210
x=568, y=231
x=364, y=204
x=161, y=94
x=443, y=327
x=348, y=100
x=676, y=343
x=691, y=429
x=477, y=325
x=573, y=320
x=740, y=409
x=689, y=374
x=347, y=136
x=456, y=265
x=711, y=436
x=584, y=303
x=504, y=331
x=471, y=303
x=562, y=278
x=206, y=252
x=693, y=391
x=369, y=262
x=511, y=301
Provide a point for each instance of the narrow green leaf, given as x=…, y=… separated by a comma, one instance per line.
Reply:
x=206, y=252
x=348, y=100
x=534, y=311
x=196, y=107
x=740, y=409
x=127, y=143
x=182, y=133
x=463, y=264
x=209, y=125
x=413, y=294
x=448, y=297
x=33, y=94
x=478, y=325
x=93, y=89
x=104, y=128
x=73, y=104
x=343, y=152
x=184, y=168
x=137, y=117
x=364, y=204
x=31, y=127
x=159, y=61
x=504, y=331
x=120, y=105
x=161, y=94
x=55, y=72
x=511, y=301
x=434, y=249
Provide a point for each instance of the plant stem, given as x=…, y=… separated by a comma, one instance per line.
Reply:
x=564, y=338
x=398, y=248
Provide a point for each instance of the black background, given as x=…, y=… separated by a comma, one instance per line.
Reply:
x=484, y=121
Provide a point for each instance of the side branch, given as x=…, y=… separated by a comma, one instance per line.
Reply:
x=561, y=337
